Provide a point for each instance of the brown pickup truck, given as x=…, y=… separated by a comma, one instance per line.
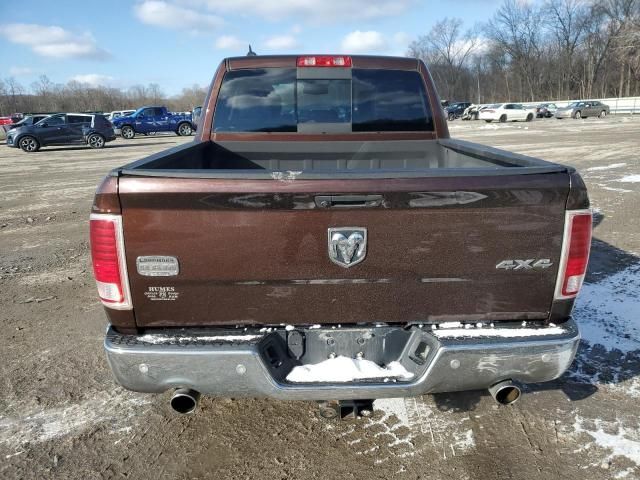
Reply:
x=324, y=239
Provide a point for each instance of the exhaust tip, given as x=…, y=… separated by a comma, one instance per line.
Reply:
x=184, y=401
x=505, y=393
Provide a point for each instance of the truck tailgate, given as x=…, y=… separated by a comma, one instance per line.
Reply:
x=256, y=252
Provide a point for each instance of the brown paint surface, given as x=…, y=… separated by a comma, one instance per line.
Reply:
x=269, y=263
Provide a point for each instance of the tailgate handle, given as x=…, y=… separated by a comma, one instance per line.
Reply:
x=348, y=201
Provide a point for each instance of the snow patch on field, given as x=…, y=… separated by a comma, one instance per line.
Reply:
x=447, y=431
x=620, y=441
x=393, y=406
x=619, y=190
x=343, y=369
x=608, y=315
x=606, y=167
x=630, y=179
x=117, y=409
x=608, y=312
x=403, y=428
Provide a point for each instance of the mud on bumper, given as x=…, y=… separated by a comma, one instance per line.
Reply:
x=256, y=363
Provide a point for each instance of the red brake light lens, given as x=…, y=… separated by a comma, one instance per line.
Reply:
x=324, y=61
x=107, y=255
x=575, y=253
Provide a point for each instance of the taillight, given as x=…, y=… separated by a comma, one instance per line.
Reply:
x=109, y=266
x=324, y=61
x=575, y=253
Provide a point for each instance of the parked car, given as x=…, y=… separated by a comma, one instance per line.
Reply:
x=546, y=110
x=455, y=110
x=117, y=114
x=63, y=129
x=583, y=109
x=25, y=121
x=365, y=244
x=506, y=112
x=472, y=112
x=147, y=120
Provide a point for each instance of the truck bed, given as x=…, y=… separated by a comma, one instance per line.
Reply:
x=346, y=159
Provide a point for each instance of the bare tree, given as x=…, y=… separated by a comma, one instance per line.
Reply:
x=43, y=89
x=448, y=50
x=610, y=20
x=515, y=30
x=190, y=97
x=154, y=93
x=567, y=21
x=14, y=91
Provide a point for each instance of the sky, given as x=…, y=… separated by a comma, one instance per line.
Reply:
x=178, y=43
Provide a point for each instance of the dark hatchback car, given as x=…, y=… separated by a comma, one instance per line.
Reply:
x=63, y=129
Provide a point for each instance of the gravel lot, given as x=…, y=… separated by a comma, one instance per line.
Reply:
x=62, y=416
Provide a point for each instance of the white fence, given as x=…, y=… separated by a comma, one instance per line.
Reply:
x=617, y=106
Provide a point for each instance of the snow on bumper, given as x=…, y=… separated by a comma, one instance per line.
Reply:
x=257, y=364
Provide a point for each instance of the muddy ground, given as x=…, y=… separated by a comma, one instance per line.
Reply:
x=62, y=415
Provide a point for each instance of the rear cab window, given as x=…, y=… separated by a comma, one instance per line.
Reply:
x=354, y=100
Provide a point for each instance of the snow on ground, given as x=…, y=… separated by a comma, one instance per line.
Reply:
x=630, y=179
x=117, y=408
x=409, y=426
x=608, y=315
x=608, y=312
x=610, y=436
x=612, y=189
x=606, y=167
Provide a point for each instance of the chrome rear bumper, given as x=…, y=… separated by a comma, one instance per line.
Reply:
x=245, y=367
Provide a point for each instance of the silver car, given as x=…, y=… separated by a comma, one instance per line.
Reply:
x=583, y=109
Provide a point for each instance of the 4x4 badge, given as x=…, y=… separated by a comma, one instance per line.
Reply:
x=347, y=245
x=528, y=264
